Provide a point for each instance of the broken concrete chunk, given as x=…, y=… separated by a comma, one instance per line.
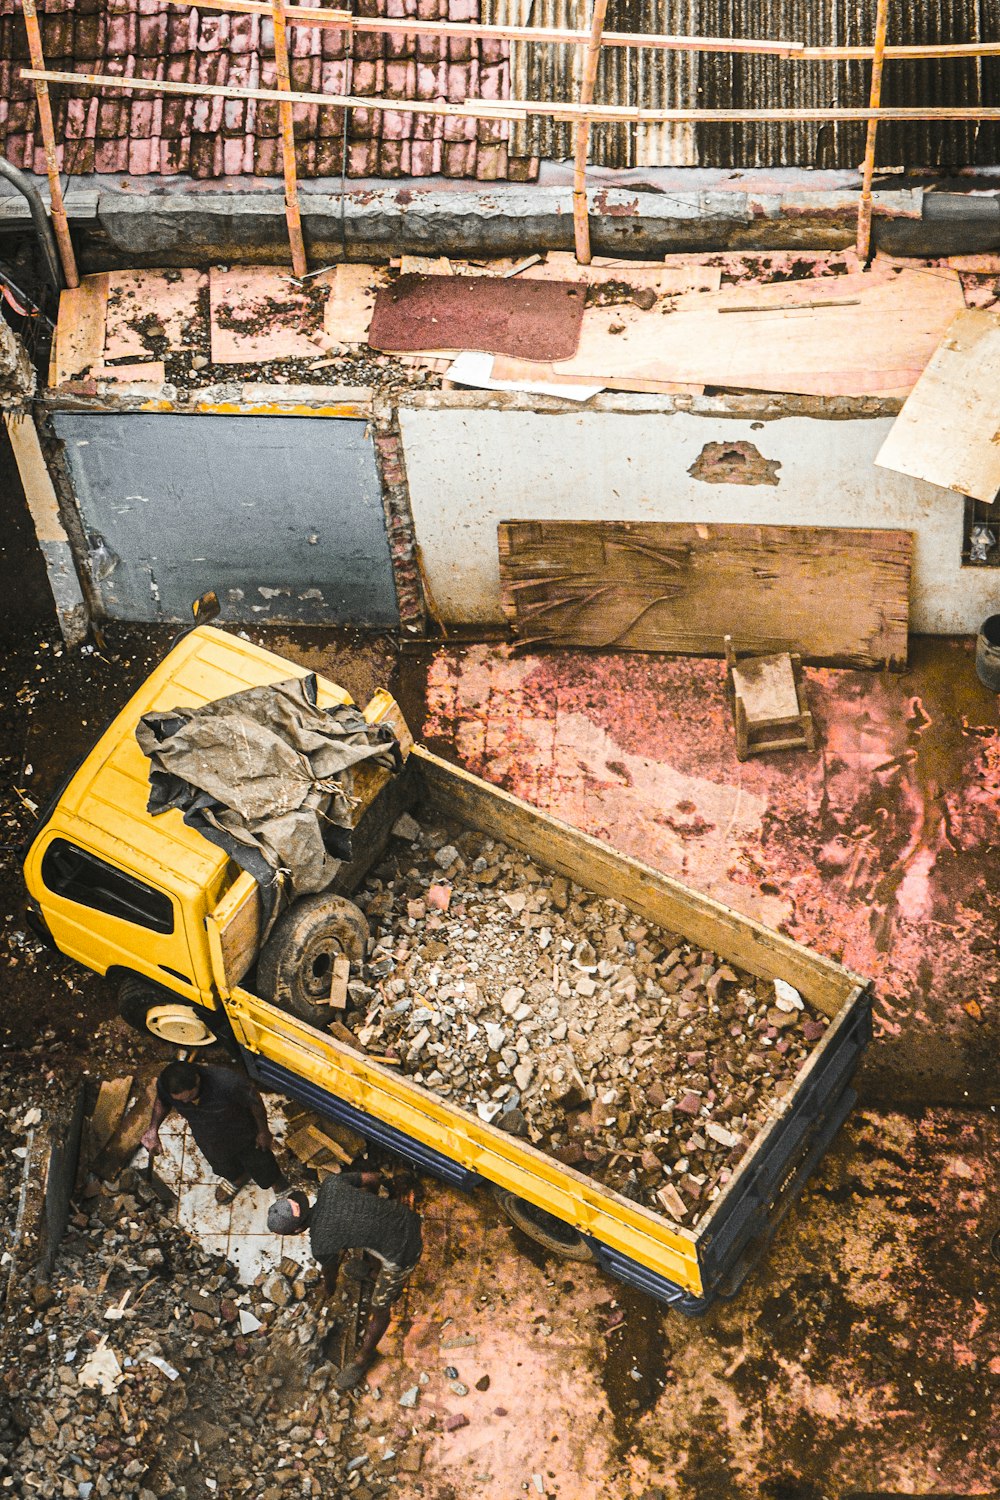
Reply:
x=721, y=1134
x=406, y=828
x=786, y=996
x=672, y=1201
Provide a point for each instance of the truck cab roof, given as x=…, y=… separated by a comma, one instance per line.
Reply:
x=110, y=790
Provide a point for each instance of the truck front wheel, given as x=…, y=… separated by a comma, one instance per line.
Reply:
x=160, y=1013
x=544, y=1228
x=295, y=968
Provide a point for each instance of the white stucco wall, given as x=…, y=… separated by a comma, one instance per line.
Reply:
x=470, y=469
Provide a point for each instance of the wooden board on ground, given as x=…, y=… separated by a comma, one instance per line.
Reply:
x=123, y=1145
x=836, y=595
x=102, y=1124
x=145, y=307
x=868, y=333
x=79, y=340
x=665, y=280
x=949, y=429
x=351, y=302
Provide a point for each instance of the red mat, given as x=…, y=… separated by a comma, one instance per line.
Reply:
x=525, y=319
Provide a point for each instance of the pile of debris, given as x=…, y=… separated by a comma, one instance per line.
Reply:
x=144, y=1368
x=621, y=1050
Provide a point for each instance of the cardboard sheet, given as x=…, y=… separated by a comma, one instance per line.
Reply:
x=949, y=429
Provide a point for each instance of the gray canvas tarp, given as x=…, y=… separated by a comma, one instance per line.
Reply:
x=267, y=775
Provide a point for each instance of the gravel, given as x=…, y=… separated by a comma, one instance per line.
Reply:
x=620, y=1049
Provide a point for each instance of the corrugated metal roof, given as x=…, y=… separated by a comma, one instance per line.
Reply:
x=660, y=79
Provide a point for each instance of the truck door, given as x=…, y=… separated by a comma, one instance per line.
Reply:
x=108, y=918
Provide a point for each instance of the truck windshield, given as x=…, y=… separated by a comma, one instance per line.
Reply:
x=82, y=877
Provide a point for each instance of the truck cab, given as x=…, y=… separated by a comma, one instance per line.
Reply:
x=148, y=901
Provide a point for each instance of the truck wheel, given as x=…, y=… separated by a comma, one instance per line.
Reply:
x=556, y=1235
x=160, y=1013
x=295, y=968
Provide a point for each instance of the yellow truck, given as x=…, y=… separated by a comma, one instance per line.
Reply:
x=151, y=903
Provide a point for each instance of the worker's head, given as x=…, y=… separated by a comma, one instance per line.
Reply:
x=289, y=1215
x=182, y=1082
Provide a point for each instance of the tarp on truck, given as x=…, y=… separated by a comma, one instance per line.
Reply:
x=266, y=775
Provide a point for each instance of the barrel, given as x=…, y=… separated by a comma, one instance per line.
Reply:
x=988, y=653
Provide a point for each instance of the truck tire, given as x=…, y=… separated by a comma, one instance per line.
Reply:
x=160, y=1013
x=545, y=1229
x=295, y=967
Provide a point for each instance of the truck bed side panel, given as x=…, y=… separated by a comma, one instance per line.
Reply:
x=771, y=1176
x=655, y=897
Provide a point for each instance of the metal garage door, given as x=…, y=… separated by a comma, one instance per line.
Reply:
x=282, y=516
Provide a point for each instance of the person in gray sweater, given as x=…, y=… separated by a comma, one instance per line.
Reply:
x=348, y=1215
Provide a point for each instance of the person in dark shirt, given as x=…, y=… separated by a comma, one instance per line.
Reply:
x=227, y=1119
x=346, y=1217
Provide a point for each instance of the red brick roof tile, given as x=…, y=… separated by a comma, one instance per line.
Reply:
x=103, y=131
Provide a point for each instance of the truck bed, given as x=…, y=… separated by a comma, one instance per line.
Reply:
x=686, y=1267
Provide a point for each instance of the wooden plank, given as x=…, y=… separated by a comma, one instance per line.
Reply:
x=521, y=109
x=836, y=595
x=304, y=1145
x=349, y=309
x=124, y=1143
x=340, y=974
x=665, y=279
x=327, y=1143
x=949, y=429
x=874, y=336
x=102, y=1124
x=80, y=335
x=554, y=845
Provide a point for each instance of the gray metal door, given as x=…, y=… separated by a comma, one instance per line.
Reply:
x=282, y=516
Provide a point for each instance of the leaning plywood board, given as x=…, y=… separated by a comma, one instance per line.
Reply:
x=949, y=430
x=868, y=333
x=836, y=595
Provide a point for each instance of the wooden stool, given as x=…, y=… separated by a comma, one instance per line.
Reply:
x=769, y=703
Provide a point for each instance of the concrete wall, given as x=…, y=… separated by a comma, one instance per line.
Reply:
x=470, y=468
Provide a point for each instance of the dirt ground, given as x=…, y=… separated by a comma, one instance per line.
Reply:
x=862, y=1357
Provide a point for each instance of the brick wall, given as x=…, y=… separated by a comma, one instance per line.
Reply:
x=212, y=138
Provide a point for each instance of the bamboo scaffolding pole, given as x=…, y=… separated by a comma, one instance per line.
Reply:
x=343, y=20
x=864, y=236
x=581, y=137
x=522, y=109
x=57, y=207
x=287, y=121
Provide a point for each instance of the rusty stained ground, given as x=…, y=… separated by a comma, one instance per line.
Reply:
x=862, y=1355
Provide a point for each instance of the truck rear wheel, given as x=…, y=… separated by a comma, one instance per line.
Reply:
x=161, y=1014
x=544, y=1228
x=295, y=968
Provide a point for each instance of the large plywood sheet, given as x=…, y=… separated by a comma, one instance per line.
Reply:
x=79, y=341
x=836, y=595
x=865, y=333
x=949, y=429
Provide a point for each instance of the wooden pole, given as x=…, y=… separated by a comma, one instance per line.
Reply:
x=286, y=116
x=581, y=139
x=874, y=99
x=521, y=109
x=343, y=20
x=56, y=206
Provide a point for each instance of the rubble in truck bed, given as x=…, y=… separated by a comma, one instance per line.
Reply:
x=622, y=1050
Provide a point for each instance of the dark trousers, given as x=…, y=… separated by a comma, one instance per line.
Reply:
x=249, y=1161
